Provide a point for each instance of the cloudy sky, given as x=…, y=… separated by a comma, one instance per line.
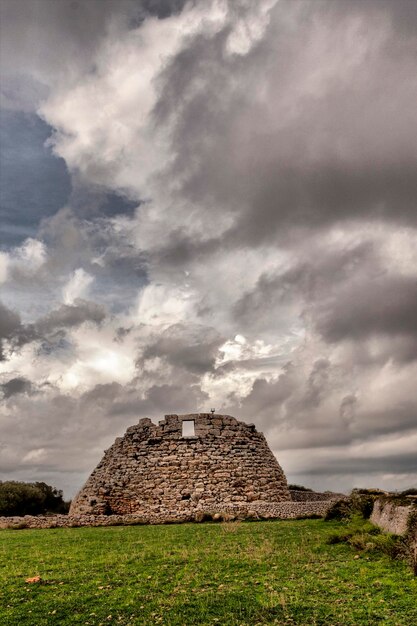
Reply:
x=210, y=204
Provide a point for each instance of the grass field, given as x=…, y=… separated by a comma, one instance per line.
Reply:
x=280, y=572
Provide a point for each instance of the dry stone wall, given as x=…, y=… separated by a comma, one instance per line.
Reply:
x=230, y=512
x=312, y=496
x=156, y=472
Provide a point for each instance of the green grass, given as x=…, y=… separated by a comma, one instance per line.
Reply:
x=281, y=572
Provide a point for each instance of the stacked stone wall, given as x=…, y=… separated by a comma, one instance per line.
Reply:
x=256, y=511
x=157, y=473
x=312, y=496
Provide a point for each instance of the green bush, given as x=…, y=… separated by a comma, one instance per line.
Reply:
x=360, y=502
x=409, y=492
x=18, y=499
x=339, y=510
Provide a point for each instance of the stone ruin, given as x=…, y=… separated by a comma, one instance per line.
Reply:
x=186, y=463
x=188, y=468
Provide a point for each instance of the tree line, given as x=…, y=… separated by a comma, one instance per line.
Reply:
x=19, y=498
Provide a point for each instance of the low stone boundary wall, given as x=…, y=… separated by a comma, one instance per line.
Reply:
x=313, y=496
x=391, y=517
x=278, y=510
x=261, y=510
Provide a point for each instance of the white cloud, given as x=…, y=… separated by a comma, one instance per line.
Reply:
x=98, y=360
x=4, y=262
x=77, y=285
x=25, y=260
x=249, y=29
x=32, y=254
x=35, y=456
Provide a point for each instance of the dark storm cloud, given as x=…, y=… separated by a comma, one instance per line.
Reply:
x=15, y=386
x=64, y=317
x=93, y=244
x=9, y=324
x=318, y=384
x=13, y=331
x=324, y=163
x=175, y=398
x=160, y=8
x=312, y=406
x=347, y=294
x=9, y=321
x=161, y=400
x=402, y=13
x=315, y=272
x=77, y=240
x=397, y=417
x=386, y=306
x=92, y=202
x=182, y=249
x=282, y=199
x=397, y=464
x=56, y=36
x=118, y=282
x=116, y=400
x=33, y=183
x=193, y=348
x=90, y=423
x=266, y=398
x=71, y=315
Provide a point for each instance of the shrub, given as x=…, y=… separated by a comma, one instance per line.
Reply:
x=370, y=492
x=363, y=503
x=360, y=502
x=409, y=492
x=339, y=510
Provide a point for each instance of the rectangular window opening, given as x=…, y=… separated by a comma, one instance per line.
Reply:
x=188, y=428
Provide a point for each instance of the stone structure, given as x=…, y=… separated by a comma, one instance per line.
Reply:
x=315, y=496
x=184, y=465
x=218, y=513
x=390, y=516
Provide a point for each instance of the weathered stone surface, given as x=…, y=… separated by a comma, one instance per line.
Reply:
x=391, y=517
x=312, y=496
x=154, y=471
x=224, y=512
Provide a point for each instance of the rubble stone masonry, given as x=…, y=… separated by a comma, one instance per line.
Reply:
x=256, y=511
x=159, y=473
